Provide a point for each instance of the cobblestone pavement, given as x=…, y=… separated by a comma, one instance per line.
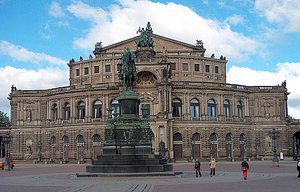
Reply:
x=263, y=177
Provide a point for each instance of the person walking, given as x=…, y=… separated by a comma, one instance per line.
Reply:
x=197, y=168
x=298, y=168
x=212, y=165
x=245, y=168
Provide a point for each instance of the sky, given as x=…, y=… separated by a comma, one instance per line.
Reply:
x=260, y=38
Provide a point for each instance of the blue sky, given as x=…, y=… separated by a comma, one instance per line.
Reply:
x=260, y=38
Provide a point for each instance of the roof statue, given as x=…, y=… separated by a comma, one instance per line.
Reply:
x=128, y=72
x=145, y=40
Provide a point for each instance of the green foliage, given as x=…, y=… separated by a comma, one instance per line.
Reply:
x=290, y=119
x=4, y=120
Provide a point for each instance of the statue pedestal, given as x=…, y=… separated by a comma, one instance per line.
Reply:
x=127, y=145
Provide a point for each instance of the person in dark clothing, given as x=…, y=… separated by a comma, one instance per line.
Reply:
x=197, y=168
x=245, y=168
x=298, y=168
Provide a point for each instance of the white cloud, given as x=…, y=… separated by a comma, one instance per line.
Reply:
x=55, y=10
x=283, y=12
x=235, y=20
x=22, y=54
x=285, y=71
x=29, y=79
x=171, y=20
x=86, y=12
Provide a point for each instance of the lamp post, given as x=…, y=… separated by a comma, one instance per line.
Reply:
x=275, y=135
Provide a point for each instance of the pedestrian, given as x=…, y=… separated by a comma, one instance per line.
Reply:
x=212, y=166
x=245, y=168
x=298, y=168
x=197, y=168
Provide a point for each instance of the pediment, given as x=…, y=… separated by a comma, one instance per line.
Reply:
x=160, y=45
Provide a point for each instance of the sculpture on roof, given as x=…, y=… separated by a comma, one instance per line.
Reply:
x=128, y=74
x=145, y=40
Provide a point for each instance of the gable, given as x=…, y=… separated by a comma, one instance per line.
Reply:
x=160, y=44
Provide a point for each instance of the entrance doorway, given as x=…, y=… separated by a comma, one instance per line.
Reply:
x=177, y=146
x=296, y=148
x=213, y=146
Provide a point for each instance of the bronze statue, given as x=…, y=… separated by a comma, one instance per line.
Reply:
x=145, y=40
x=128, y=74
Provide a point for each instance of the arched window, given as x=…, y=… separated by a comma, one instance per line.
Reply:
x=194, y=108
x=53, y=140
x=54, y=112
x=211, y=108
x=177, y=137
x=81, y=110
x=213, y=137
x=97, y=109
x=116, y=107
x=176, y=108
x=226, y=106
x=79, y=139
x=228, y=137
x=67, y=111
x=196, y=137
x=65, y=139
x=242, y=138
x=96, y=138
x=239, y=107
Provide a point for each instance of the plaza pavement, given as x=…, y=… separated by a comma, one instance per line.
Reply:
x=263, y=177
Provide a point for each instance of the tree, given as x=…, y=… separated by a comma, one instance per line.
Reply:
x=4, y=120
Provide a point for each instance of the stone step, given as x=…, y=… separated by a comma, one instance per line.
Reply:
x=126, y=162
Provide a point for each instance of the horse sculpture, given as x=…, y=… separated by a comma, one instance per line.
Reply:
x=128, y=72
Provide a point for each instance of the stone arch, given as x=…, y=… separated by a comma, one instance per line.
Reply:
x=146, y=78
x=196, y=146
x=65, y=149
x=53, y=148
x=242, y=143
x=80, y=148
x=177, y=146
x=213, y=142
x=96, y=146
x=228, y=142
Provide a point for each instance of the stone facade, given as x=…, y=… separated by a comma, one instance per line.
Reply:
x=193, y=112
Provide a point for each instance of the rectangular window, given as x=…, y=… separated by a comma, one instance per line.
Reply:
x=216, y=69
x=207, y=68
x=77, y=72
x=197, y=67
x=185, y=67
x=119, y=67
x=96, y=69
x=107, y=68
x=173, y=66
x=86, y=70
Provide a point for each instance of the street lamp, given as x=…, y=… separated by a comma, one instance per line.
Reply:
x=275, y=135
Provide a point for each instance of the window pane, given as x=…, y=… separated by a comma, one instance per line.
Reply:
x=185, y=67
x=96, y=69
x=216, y=69
x=207, y=68
x=86, y=70
x=107, y=68
x=197, y=68
x=173, y=66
